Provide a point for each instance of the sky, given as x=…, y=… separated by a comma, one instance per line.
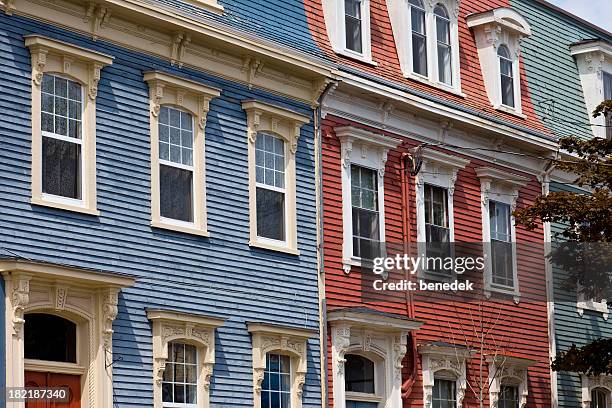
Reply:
x=598, y=12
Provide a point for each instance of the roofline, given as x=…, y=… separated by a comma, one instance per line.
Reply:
x=575, y=17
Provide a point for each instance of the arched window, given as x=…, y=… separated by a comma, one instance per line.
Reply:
x=443, y=45
x=419, y=37
x=506, y=71
x=49, y=338
x=599, y=398
x=359, y=381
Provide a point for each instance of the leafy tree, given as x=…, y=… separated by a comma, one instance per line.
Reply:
x=583, y=247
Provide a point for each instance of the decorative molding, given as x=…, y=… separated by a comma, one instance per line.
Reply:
x=284, y=340
x=109, y=313
x=8, y=6
x=19, y=300
x=512, y=371
x=98, y=16
x=588, y=383
x=180, y=41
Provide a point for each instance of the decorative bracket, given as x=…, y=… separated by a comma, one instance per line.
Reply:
x=252, y=67
x=99, y=17
x=180, y=41
x=20, y=297
x=109, y=298
x=8, y=6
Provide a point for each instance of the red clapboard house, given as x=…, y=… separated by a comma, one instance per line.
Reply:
x=430, y=136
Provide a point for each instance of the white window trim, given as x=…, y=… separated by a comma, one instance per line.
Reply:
x=508, y=371
x=199, y=331
x=592, y=59
x=381, y=339
x=503, y=187
x=588, y=383
x=401, y=23
x=165, y=89
x=86, y=298
x=369, y=150
x=493, y=28
x=441, y=170
x=450, y=361
x=333, y=11
x=83, y=66
x=286, y=124
x=601, y=307
x=268, y=338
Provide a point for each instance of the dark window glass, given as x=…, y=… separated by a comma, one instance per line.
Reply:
x=352, y=18
x=444, y=395
x=180, y=379
x=501, y=243
x=419, y=37
x=599, y=398
x=361, y=404
x=270, y=179
x=437, y=228
x=607, y=80
x=359, y=374
x=508, y=397
x=176, y=195
x=444, y=45
x=61, y=164
x=270, y=214
x=50, y=338
x=506, y=76
x=276, y=385
x=365, y=212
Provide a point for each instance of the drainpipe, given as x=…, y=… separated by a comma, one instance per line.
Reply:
x=406, y=234
x=320, y=259
x=544, y=178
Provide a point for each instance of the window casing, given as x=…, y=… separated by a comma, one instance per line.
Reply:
x=508, y=379
x=178, y=110
x=506, y=76
x=276, y=385
x=64, y=89
x=348, y=28
x=364, y=156
x=273, y=133
x=444, y=375
x=499, y=192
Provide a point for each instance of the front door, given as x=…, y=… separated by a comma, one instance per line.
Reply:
x=72, y=382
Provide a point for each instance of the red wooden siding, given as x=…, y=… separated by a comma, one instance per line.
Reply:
x=524, y=326
x=384, y=54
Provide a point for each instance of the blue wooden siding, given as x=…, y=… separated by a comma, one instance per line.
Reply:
x=552, y=74
x=218, y=276
x=571, y=328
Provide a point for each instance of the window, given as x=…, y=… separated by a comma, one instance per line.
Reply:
x=437, y=229
x=506, y=76
x=176, y=164
x=276, y=386
x=443, y=38
x=359, y=375
x=183, y=358
x=279, y=364
x=352, y=18
x=364, y=199
x=64, y=91
x=599, y=398
x=501, y=243
x=270, y=179
x=49, y=338
x=61, y=120
x=508, y=397
x=607, y=80
x=419, y=37
x=364, y=156
x=444, y=395
x=178, y=110
x=180, y=384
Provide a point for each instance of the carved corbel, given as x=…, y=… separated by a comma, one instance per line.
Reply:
x=156, y=93
x=386, y=109
x=254, y=122
x=39, y=60
x=259, y=377
x=252, y=67
x=109, y=313
x=20, y=297
x=207, y=375
x=94, y=79
x=295, y=137
x=452, y=180
x=341, y=341
x=399, y=351
x=300, y=380
x=60, y=294
x=160, y=367
x=8, y=6
x=347, y=149
x=384, y=154
x=514, y=198
x=204, y=107
x=180, y=41
x=485, y=190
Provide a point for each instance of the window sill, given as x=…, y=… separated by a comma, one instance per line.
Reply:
x=179, y=228
x=438, y=85
x=64, y=206
x=510, y=111
x=53, y=366
x=347, y=264
x=516, y=295
x=272, y=247
x=600, y=307
x=357, y=57
x=362, y=397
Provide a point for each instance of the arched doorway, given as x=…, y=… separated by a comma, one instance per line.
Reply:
x=51, y=339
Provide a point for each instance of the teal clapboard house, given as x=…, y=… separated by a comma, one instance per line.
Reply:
x=158, y=202
x=560, y=79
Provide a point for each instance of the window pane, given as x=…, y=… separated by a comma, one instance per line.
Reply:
x=61, y=168
x=270, y=160
x=270, y=214
x=419, y=54
x=359, y=375
x=444, y=64
x=276, y=385
x=352, y=11
x=50, y=338
x=176, y=190
x=444, y=394
x=442, y=30
x=364, y=198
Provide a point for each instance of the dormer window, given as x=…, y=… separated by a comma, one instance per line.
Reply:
x=498, y=34
x=506, y=76
x=419, y=37
x=443, y=45
x=348, y=28
x=427, y=40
